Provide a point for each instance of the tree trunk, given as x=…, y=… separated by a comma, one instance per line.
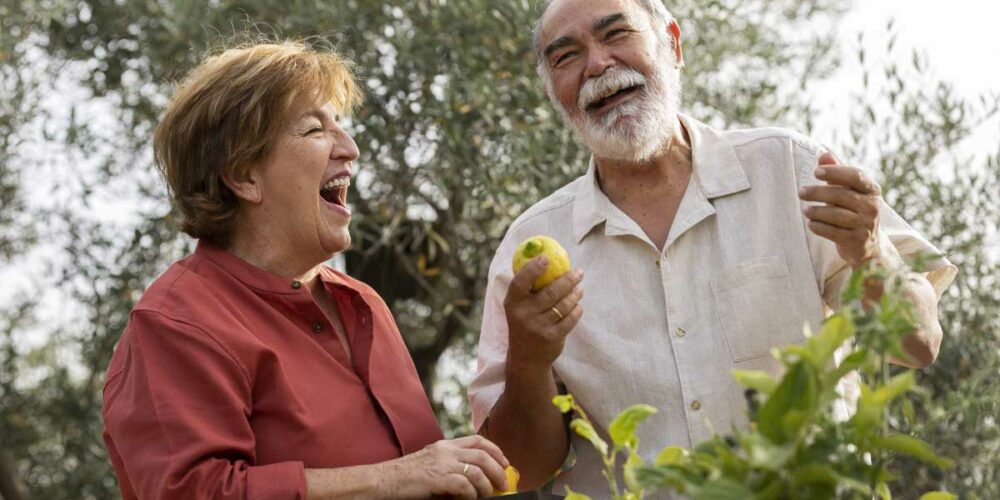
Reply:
x=10, y=487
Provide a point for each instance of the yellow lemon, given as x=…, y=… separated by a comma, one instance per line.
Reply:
x=551, y=249
x=512, y=477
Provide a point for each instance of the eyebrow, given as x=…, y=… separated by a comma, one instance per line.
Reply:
x=556, y=45
x=606, y=21
x=598, y=25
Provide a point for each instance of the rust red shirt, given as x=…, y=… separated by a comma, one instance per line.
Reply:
x=229, y=381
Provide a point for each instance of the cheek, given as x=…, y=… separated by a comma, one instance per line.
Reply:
x=566, y=92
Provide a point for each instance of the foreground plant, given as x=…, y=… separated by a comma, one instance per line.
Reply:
x=794, y=447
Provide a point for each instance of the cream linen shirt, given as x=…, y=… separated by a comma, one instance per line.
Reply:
x=740, y=273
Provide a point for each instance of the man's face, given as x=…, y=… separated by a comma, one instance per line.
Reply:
x=613, y=73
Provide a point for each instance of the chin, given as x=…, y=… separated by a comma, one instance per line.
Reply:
x=337, y=243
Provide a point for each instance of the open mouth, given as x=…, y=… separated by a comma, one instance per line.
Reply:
x=335, y=191
x=614, y=98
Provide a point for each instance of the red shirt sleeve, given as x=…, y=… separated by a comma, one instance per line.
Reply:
x=176, y=407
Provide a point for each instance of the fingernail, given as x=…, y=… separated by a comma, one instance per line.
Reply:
x=543, y=260
x=803, y=191
x=820, y=171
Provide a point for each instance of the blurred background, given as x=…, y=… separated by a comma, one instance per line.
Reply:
x=457, y=140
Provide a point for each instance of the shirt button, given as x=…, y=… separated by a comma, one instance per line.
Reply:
x=317, y=327
x=296, y=285
x=680, y=332
x=696, y=405
x=657, y=263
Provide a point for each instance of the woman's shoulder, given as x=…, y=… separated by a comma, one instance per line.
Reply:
x=179, y=283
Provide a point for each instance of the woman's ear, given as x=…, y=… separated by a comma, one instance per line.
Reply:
x=245, y=183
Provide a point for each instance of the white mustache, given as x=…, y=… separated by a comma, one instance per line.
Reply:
x=607, y=84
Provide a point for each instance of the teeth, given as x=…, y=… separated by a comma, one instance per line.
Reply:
x=340, y=182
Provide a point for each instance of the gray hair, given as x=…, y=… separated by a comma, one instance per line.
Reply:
x=654, y=8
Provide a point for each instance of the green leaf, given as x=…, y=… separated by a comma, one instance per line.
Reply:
x=671, y=455
x=564, y=402
x=764, y=454
x=722, y=489
x=632, y=464
x=836, y=330
x=760, y=381
x=914, y=447
x=814, y=474
x=868, y=413
x=585, y=430
x=622, y=428
x=896, y=386
x=572, y=495
x=882, y=489
x=796, y=391
x=938, y=495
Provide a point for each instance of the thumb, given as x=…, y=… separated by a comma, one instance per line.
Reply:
x=520, y=286
x=827, y=158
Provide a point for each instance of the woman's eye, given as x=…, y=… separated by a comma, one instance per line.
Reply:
x=314, y=130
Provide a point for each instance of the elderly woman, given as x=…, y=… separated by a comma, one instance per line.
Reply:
x=249, y=369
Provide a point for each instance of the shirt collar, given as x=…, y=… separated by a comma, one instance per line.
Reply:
x=717, y=171
x=257, y=278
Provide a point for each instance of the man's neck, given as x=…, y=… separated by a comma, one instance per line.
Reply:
x=650, y=192
x=625, y=180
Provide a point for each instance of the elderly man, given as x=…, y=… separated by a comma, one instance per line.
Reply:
x=703, y=249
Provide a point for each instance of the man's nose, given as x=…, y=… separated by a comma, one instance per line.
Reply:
x=599, y=59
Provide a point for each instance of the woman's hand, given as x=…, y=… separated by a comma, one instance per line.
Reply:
x=467, y=468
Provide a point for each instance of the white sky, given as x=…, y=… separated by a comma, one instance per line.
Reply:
x=960, y=38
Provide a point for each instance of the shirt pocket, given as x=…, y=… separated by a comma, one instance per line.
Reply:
x=756, y=306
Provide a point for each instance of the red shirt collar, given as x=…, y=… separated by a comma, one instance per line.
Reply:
x=257, y=278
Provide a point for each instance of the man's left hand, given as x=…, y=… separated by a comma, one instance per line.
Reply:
x=849, y=217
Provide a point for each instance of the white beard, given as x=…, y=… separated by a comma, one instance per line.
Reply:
x=639, y=128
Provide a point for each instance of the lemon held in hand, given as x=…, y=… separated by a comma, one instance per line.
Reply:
x=542, y=246
x=512, y=477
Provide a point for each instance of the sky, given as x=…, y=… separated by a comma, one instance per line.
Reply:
x=959, y=38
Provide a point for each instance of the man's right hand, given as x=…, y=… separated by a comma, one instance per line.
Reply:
x=539, y=322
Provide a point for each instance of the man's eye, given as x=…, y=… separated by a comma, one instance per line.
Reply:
x=564, y=57
x=314, y=130
x=615, y=33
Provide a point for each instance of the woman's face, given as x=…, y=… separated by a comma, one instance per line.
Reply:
x=304, y=184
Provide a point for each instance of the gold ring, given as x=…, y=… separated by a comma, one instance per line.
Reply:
x=557, y=313
x=465, y=469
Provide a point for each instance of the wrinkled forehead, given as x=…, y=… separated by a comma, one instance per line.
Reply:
x=575, y=17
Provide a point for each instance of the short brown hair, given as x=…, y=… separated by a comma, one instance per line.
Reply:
x=227, y=114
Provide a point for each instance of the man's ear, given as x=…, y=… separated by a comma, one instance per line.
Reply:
x=674, y=31
x=245, y=183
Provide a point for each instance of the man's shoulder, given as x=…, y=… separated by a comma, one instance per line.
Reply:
x=743, y=139
x=556, y=206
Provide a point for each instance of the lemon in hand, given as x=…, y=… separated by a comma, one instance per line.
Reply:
x=542, y=246
x=512, y=477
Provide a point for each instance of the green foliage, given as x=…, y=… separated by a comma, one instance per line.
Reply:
x=796, y=446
